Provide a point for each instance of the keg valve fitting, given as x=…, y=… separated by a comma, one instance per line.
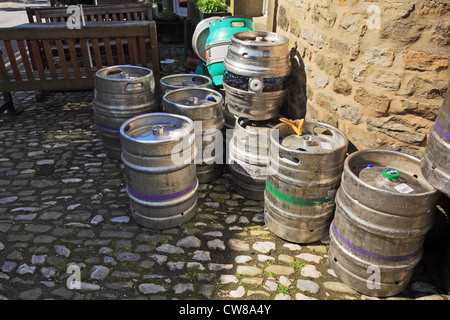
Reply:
x=158, y=130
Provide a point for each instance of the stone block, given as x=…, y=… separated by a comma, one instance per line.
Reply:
x=434, y=8
x=441, y=34
x=387, y=79
x=379, y=103
x=323, y=16
x=330, y=65
x=379, y=55
x=352, y=50
x=314, y=38
x=425, y=88
x=350, y=113
x=358, y=73
x=409, y=130
x=427, y=110
x=320, y=81
x=327, y=102
x=342, y=86
x=398, y=10
x=402, y=32
x=353, y=23
x=417, y=60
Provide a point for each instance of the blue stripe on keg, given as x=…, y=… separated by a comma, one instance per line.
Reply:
x=163, y=197
x=100, y=126
x=371, y=255
x=241, y=82
x=444, y=133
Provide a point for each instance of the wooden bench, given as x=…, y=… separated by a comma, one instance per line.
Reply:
x=117, y=12
x=51, y=57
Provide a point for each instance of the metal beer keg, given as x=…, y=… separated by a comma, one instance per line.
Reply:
x=121, y=92
x=384, y=208
x=304, y=175
x=204, y=107
x=158, y=154
x=435, y=162
x=256, y=71
x=248, y=156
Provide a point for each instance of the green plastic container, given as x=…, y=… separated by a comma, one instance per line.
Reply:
x=220, y=32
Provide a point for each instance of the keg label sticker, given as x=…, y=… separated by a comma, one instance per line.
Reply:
x=326, y=146
x=403, y=188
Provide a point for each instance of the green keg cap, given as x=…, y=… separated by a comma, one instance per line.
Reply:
x=391, y=173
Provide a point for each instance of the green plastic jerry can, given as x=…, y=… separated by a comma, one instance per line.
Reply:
x=219, y=39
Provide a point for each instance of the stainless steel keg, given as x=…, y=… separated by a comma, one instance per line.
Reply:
x=435, y=162
x=204, y=107
x=304, y=175
x=384, y=208
x=255, y=76
x=248, y=156
x=158, y=155
x=121, y=92
x=178, y=81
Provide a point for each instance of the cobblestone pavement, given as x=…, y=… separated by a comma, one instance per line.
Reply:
x=63, y=202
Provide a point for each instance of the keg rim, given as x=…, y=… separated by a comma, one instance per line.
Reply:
x=353, y=176
x=182, y=89
x=283, y=40
x=205, y=77
x=297, y=152
x=155, y=114
x=98, y=73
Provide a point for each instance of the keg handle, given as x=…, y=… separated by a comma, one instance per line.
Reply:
x=114, y=71
x=289, y=156
x=326, y=131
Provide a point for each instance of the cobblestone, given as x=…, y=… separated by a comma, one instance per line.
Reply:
x=63, y=203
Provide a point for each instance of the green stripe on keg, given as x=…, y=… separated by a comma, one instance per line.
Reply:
x=305, y=202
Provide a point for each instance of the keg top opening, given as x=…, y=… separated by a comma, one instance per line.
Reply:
x=193, y=97
x=316, y=138
x=124, y=72
x=260, y=38
x=157, y=127
x=186, y=80
x=388, y=171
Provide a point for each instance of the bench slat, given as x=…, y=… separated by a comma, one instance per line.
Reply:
x=97, y=54
x=62, y=58
x=49, y=59
x=120, y=52
x=25, y=59
x=142, y=52
x=86, y=57
x=37, y=60
x=3, y=71
x=12, y=60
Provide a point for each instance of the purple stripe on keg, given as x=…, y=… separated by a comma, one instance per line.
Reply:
x=371, y=255
x=163, y=197
x=444, y=133
x=107, y=128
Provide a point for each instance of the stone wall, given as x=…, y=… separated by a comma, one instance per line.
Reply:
x=377, y=70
